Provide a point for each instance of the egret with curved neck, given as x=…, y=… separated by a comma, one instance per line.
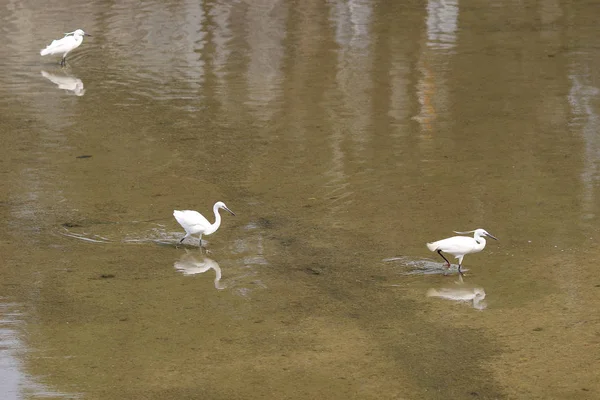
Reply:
x=63, y=46
x=193, y=222
x=459, y=246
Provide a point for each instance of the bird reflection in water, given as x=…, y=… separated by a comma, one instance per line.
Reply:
x=190, y=264
x=66, y=82
x=461, y=293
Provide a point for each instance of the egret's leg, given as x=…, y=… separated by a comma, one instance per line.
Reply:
x=63, y=62
x=460, y=264
x=183, y=238
x=445, y=259
x=204, y=249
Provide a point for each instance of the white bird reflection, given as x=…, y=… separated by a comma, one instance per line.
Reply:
x=461, y=293
x=190, y=264
x=66, y=82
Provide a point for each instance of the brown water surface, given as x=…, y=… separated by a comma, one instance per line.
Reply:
x=344, y=134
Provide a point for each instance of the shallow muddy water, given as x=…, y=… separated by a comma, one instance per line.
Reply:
x=344, y=135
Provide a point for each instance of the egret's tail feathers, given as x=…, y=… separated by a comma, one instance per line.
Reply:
x=49, y=49
x=432, y=246
x=177, y=214
x=180, y=217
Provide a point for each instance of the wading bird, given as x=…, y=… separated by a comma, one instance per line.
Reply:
x=193, y=222
x=459, y=246
x=71, y=41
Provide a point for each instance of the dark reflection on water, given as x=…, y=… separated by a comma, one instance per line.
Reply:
x=345, y=132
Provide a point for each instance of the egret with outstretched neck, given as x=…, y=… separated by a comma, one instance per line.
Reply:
x=71, y=41
x=193, y=222
x=459, y=246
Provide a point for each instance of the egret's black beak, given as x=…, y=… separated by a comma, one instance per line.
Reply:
x=86, y=34
x=492, y=236
x=228, y=210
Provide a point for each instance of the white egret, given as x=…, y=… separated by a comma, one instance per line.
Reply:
x=459, y=246
x=193, y=222
x=71, y=41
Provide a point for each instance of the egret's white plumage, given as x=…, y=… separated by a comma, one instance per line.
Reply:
x=459, y=246
x=193, y=222
x=63, y=46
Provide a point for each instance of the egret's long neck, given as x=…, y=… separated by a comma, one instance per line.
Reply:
x=480, y=242
x=217, y=223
